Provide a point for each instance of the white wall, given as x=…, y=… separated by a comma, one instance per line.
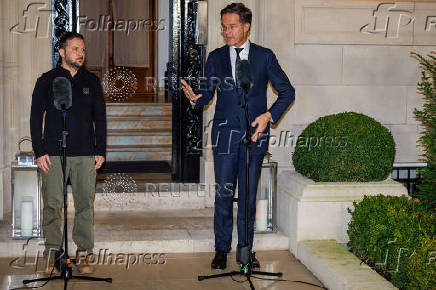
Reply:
x=355, y=64
x=25, y=55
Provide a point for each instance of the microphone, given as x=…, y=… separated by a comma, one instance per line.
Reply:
x=62, y=93
x=243, y=75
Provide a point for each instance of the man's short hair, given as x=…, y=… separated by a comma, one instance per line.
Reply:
x=244, y=13
x=63, y=40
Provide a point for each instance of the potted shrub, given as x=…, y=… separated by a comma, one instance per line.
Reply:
x=362, y=149
x=338, y=159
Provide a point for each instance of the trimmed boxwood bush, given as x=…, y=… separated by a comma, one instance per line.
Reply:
x=397, y=237
x=345, y=147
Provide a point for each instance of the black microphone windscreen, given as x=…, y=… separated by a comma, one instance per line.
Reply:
x=62, y=93
x=243, y=74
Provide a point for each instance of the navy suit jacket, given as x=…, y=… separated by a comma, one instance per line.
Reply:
x=228, y=126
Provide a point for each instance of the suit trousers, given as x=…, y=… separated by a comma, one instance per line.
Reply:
x=229, y=171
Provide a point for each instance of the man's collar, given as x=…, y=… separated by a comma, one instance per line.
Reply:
x=65, y=71
x=246, y=45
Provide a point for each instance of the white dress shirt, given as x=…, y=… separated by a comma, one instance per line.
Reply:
x=243, y=55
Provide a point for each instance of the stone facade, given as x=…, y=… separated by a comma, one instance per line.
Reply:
x=339, y=55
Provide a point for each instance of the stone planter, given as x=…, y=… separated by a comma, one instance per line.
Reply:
x=309, y=210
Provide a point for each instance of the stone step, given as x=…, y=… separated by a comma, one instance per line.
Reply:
x=142, y=180
x=120, y=192
x=166, y=187
x=139, y=137
x=138, y=109
x=139, y=152
x=139, y=131
x=338, y=268
x=138, y=148
x=139, y=156
x=162, y=231
x=140, y=122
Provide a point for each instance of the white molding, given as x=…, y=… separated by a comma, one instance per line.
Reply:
x=410, y=164
x=304, y=189
x=355, y=20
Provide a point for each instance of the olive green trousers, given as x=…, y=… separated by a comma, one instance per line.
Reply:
x=80, y=170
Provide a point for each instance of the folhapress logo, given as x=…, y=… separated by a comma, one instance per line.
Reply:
x=388, y=20
x=35, y=20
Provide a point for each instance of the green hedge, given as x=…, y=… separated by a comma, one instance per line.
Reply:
x=397, y=237
x=345, y=147
x=427, y=117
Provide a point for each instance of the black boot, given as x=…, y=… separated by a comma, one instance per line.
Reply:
x=220, y=260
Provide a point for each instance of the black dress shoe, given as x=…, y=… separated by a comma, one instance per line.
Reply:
x=254, y=262
x=220, y=260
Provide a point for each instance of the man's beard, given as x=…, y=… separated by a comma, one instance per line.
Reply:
x=73, y=63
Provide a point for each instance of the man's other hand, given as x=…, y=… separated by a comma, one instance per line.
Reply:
x=43, y=163
x=261, y=122
x=189, y=93
x=99, y=160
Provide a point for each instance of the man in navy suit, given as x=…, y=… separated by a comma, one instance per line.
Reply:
x=229, y=123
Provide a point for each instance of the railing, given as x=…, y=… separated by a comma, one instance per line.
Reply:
x=407, y=175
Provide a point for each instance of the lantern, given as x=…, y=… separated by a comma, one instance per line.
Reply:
x=26, y=197
x=266, y=199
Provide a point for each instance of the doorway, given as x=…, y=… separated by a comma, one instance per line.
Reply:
x=120, y=39
x=151, y=128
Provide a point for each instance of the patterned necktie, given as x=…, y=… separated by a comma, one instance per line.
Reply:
x=238, y=60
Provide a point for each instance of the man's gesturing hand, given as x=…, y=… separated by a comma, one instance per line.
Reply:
x=98, y=162
x=261, y=122
x=189, y=92
x=43, y=162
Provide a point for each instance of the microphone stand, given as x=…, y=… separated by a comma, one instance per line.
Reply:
x=243, y=253
x=63, y=260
